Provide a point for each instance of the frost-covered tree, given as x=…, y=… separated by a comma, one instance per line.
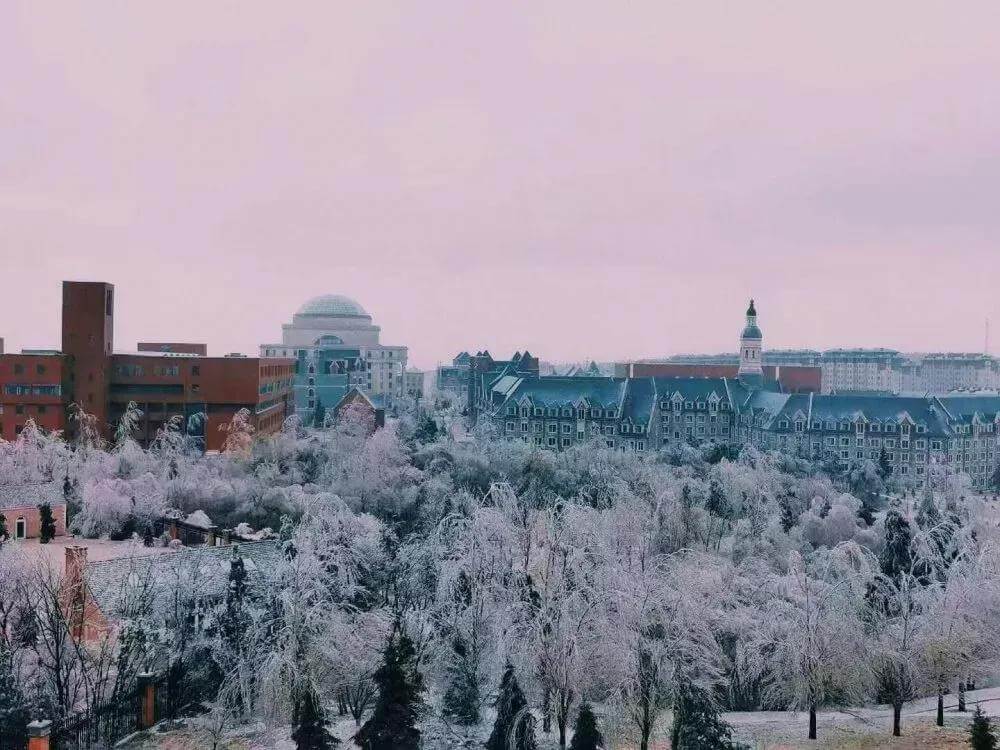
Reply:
x=813, y=636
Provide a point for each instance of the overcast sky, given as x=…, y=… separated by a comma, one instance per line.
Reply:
x=584, y=179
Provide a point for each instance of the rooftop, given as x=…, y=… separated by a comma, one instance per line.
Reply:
x=332, y=305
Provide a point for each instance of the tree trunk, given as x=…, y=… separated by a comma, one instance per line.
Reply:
x=897, y=709
x=812, y=722
x=547, y=711
x=940, y=709
x=961, y=696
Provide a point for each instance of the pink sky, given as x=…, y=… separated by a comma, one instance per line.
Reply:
x=584, y=179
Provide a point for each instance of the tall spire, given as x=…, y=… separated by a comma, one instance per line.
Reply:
x=751, y=344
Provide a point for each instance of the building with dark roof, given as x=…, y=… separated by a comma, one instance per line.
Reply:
x=20, y=505
x=646, y=413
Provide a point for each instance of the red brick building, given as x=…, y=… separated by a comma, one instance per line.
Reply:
x=792, y=379
x=172, y=347
x=165, y=380
x=19, y=505
x=32, y=386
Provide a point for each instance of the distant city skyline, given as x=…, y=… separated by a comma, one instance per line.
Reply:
x=577, y=180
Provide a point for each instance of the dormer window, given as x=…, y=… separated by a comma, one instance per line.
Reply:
x=595, y=413
x=539, y=411
x=688, y=404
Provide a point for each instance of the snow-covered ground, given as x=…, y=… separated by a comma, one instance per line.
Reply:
x=97, y=549
x=854, y=729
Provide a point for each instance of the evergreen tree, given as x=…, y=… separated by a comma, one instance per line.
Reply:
x=309, y=728
x=884, y=465
x=697, y=724
x=319, y=416
x=896, y=556
x=928, y=515
x=586, y=735
x=4, y=534
x=426, y=431
x=981, y=735
x=48, y=526
x=235, y=621
x=147, y=535
x=14, y=713
x=865, y=514
x=461, y=699
x=393, y=723
x=510, y=700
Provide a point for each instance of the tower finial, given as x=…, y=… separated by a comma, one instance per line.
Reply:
x=751, y=310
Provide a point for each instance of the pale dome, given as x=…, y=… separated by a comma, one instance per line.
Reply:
x=332, y=305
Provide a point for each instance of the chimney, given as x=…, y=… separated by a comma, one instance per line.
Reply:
x=76, y=562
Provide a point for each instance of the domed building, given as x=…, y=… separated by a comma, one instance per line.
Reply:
x=336, y=347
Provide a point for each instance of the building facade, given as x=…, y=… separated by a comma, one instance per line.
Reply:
x=453, y=379
x=909, y=434
x=166, y=385
x=336, y=347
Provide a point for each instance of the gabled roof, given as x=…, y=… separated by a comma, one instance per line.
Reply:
x=561, y=391
x=112, y=583
x=30, y=495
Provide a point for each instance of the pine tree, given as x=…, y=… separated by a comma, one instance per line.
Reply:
x=235, y=619
x=48, y=525
x=697, y=723
x=586, y=735
x=509, y=703
x=884, y=464
x=319, y=416
x=393, y=723
x=427, y=430
x=896, y=556
x=4, y=534
x=461, y=699
x=981, y=735
x=309, y=723
x=14, y=713
x=147, y=535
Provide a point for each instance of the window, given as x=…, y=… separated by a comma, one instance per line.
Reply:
x=19, y=409
x=553, y=428
x=18, y=369
x=566, y=441
x=41, y=409
x=552, y=442
x=196, y=370
x=567, y=428
x=40, y=369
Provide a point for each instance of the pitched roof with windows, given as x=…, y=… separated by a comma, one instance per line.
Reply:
x=884, y=409
x=557, y=391
x=972, y=407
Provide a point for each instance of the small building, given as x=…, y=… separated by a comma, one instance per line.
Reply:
x=99, y=594
x=361, y=406
x=21, y=503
